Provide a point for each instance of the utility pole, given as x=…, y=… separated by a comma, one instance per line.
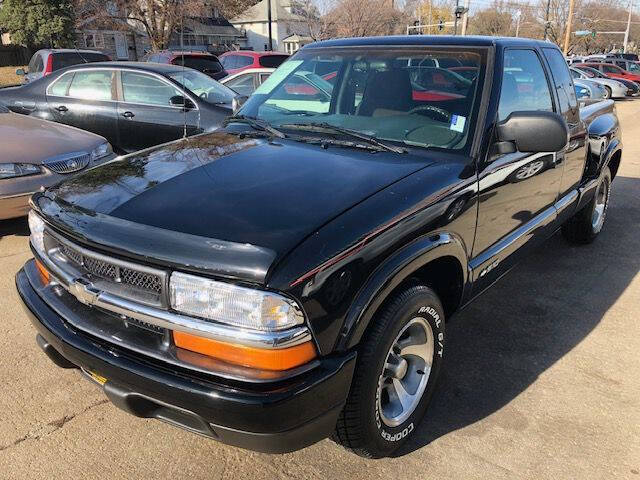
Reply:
x=546, y=22
x=567, y=34
x=269, y=22
x=519, y=15
x=430, y=14
x=626, y=33
x=465, y=18
x=455, y=18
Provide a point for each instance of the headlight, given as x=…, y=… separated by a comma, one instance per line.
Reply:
x=11, y=170
x=101, y=150
x=36, y=225
x=231, y=304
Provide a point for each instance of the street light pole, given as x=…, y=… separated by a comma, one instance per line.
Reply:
x=455, y=18
x=465, y=18
x=567, y=34
x=626, y=33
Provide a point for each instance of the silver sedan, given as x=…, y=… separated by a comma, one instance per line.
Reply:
x=613, y=88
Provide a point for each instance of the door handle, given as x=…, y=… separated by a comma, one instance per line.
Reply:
x=62, y=109
x=128, y=114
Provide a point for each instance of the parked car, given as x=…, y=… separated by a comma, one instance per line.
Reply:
x=633, y=89
x=134, y=105
x=289, y=277
x=589, y=89
x=45, y=62
x=236, y=61
x=246, y=81
x=37, y=154
x=202, y=61
x=628, y=65
x=612, y=71
x=613, y=88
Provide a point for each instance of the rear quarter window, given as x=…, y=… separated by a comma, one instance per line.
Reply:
x=272, y=61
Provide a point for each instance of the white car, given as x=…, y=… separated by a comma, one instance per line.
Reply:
x=246, y=81
x=614, y=89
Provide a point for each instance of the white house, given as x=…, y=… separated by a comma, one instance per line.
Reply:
x=284, y=23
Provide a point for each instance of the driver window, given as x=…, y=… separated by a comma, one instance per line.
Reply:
x=141, y=88
x=524, y=84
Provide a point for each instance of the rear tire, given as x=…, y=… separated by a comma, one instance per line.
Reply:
x=586, y=224
x=393, y=382
x=608, y=93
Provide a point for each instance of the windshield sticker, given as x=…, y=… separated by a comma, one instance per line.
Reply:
x=457, y=123
x=276, y=77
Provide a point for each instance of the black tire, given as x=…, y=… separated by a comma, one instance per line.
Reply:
x=609, y=92
x=361, y=427
x=581, y=228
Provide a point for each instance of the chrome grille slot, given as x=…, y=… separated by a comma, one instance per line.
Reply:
x=127, y=280
x=68, y=163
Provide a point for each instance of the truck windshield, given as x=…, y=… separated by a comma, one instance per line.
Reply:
x=405, y=95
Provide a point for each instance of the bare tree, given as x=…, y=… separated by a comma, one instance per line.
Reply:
x=317, y=22
x=158, y=18
x=361, y=18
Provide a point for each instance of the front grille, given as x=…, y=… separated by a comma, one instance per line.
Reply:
x=127, y=280
x=68, y=164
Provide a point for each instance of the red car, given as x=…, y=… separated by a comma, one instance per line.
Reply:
x=235, y=62
x=612, y=71
x=202, y=61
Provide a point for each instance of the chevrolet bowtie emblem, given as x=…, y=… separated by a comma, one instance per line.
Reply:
x=84, y=291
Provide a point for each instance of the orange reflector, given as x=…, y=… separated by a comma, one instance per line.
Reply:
x=44, y=273
x=262, y=358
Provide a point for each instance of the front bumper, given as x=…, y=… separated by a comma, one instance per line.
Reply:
x=273, y=418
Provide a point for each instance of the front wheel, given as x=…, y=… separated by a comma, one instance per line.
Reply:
x=607, y=92
x=398, y=364
x=585, y=225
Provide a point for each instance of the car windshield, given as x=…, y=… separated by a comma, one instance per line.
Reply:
x=633, y=67
x=394, y=95
x=204, y=86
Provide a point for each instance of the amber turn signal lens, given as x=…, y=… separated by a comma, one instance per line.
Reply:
x=262, y=358
x=44, y=273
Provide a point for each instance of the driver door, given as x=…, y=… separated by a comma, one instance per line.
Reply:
x=145, y=115
x=517, y=191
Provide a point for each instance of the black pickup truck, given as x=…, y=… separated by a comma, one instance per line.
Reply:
x=289, y=277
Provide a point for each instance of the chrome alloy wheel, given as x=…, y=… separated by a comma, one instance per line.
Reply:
x=406, y=372
x=600, y=207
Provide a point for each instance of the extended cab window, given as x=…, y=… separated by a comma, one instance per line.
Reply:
x=524, y=84
x=563, y=82
x=92, y=85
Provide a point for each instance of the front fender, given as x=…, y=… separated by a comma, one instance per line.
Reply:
x=396, y=269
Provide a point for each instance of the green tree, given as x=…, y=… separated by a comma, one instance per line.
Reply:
x=38, y=22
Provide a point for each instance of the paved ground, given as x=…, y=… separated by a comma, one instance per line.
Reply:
x=542, y=380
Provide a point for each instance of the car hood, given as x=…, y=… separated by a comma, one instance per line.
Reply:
x=243, y=191
x=46, y=139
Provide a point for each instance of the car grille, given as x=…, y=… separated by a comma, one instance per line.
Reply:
x=68, y=164
x=119, y=277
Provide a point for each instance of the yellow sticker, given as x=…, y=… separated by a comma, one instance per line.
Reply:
x=97, y=378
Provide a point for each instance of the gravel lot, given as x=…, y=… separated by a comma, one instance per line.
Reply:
x=542, y=380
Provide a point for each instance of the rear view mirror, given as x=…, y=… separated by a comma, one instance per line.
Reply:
x=237, y=102
x=534, y=132
x=180, y=101
x=20, y=72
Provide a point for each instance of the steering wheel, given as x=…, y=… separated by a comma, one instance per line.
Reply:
x=443, y=114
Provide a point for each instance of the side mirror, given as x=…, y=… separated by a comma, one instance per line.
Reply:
x=20, y=72
x=180, y=101
x=533, y=132
x=237, y=102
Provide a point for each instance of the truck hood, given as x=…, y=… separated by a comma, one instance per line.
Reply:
x=240, y=191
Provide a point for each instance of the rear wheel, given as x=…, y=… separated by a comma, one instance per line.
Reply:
x=607, y=92
x=585, y=225
x=398, y=364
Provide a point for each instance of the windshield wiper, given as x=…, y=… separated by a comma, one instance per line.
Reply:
x=324, y=127
x=255, y=123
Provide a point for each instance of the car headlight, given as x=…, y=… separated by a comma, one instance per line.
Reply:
x=12, y=170
x=36, y=226
x=101, y=150
x=232, y=304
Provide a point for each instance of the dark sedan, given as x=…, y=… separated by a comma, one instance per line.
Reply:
x=133, y=105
